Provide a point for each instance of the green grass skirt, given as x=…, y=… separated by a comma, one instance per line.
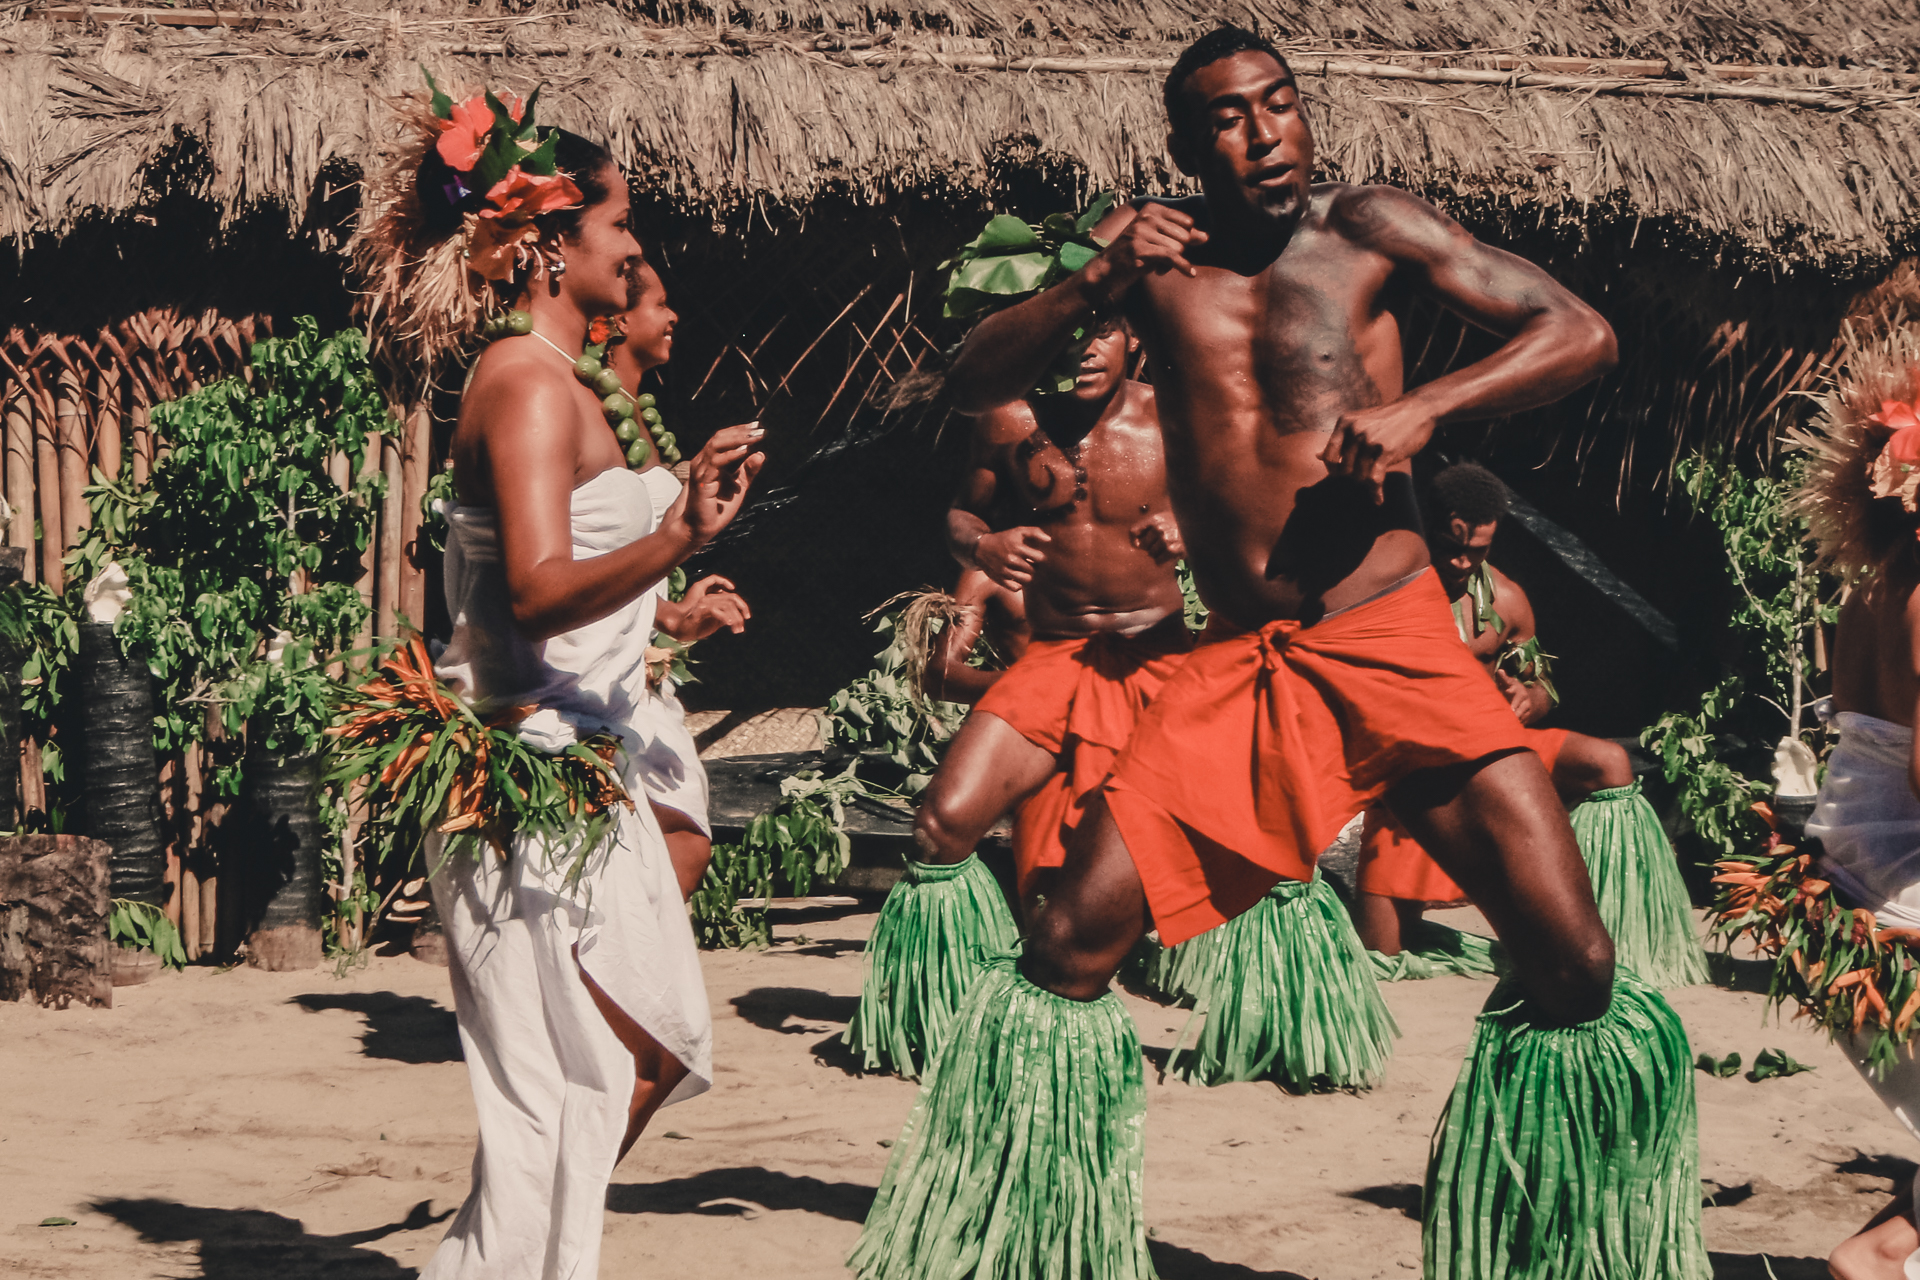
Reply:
x=935, y=932
x=1569, y=1153
x=1021, y=1157
x=1636, y=880
x=1283, y=991
x=1435, y=949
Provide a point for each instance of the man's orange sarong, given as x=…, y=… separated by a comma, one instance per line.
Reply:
x=1392, y=863
x=1078, y=699
x=1265, y=743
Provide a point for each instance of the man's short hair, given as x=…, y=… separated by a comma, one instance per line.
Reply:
x=1223, y=41
x=1472, y=493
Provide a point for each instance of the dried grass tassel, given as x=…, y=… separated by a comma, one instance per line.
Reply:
x=936, y=931
x=1021, y=1159
x=1432, y=949
x=1636, y=880
x=1286, y=992
x=1569, y=1153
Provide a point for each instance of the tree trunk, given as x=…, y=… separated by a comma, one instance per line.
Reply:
x=53, y=921
x=119, y=793
x=272, y=841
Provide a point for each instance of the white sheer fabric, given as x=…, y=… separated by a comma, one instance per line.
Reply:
x=551, y=1082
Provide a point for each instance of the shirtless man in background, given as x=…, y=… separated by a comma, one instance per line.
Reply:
x=983, y=608
x=1397, y=879
x=1094, y=564
x=1271, y=310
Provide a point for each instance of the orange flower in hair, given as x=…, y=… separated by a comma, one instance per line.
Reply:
x=463, y=136
x=522, y=195
x=1896, y=469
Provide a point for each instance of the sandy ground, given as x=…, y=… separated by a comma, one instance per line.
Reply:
x=240, y=1124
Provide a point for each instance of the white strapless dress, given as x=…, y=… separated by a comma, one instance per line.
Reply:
x=669, y=762
x=551, y=1081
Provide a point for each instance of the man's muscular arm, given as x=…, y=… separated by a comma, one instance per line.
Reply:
x=1007, y=352
x=1554, y=342
x=1008, y=556
x=1528, y=698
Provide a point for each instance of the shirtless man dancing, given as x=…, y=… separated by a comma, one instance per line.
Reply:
x=1094, y=562
x=1330, y=678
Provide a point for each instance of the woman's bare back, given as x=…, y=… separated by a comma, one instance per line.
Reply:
x=1876, y=654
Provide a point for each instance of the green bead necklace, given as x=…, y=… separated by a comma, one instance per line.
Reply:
x=636, y=422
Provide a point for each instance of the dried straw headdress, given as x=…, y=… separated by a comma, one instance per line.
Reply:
x=450, y=213
x=1863, y=444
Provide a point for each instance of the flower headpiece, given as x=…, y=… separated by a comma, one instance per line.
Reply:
x=493, y=168
x=1896, y=468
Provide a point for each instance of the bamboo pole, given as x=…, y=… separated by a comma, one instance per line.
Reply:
x=415, y=458
x=142, y=440
x=369, y=558
x=33, y=778
x=387, y=588
x=19, y=475
x=106, y=421
x=71, y=423
x=47, y=489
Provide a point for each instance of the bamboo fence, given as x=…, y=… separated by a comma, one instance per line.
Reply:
x=70, y=403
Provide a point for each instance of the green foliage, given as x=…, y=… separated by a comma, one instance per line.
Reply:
x=1195, y=608
x=145, y=927
x=895, y=748
x=1012, y=260
x=1771, y=1064
x=876, y=718
x=1717, y=753
x=1720, y=1068
x=242, y=538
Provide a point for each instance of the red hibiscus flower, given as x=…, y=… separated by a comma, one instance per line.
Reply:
x=1895, y=416
x=598, y=331
x=464, y=137
x=521, y=195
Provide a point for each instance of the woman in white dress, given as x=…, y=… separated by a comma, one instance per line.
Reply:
x=579, y=996
x=671, y=772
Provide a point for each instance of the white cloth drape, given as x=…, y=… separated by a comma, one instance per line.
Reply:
x=669, y=762
x=551, y=1082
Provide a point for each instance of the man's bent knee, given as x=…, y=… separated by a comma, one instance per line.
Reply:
x=1578, y=987
x=1056, y=959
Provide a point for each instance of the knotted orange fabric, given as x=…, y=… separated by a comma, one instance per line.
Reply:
x=1394, y=865
x=1264, y=744
x=1079, y=700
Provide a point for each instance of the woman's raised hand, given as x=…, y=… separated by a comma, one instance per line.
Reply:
x=717, y=484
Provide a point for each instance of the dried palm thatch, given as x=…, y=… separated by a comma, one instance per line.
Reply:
x=1877, y=359
x=783, y=103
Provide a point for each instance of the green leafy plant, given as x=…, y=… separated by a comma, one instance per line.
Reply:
x=145, y=927
x=242, y=553
x=1716, y=754
x=1721, y=1068
x=1770, y=1064
x=1012, y=260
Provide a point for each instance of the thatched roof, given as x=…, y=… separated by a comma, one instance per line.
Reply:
x=1806, y=147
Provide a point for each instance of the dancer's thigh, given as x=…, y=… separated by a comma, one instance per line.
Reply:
x=1098, y=910
x=1498, y=828
x=988, y=769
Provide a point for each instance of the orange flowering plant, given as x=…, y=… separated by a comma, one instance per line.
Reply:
x=425, y=762
x=1839, y=964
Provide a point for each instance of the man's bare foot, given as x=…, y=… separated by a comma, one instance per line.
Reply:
x=1879, y=1252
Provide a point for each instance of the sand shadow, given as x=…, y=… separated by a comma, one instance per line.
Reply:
x=769, y=1008
x=831, y=948
x=1732, y=974
x=741, y=1192
x=245, y=1244
x=1894, y=1169
x=838, y=1054
x=399, y=1028
x=1175, y=1263
x=1765, y=1266
x=1401, y=1196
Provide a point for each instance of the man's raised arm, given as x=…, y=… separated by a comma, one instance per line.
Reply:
x=1007, y=352
x=1555, y=343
